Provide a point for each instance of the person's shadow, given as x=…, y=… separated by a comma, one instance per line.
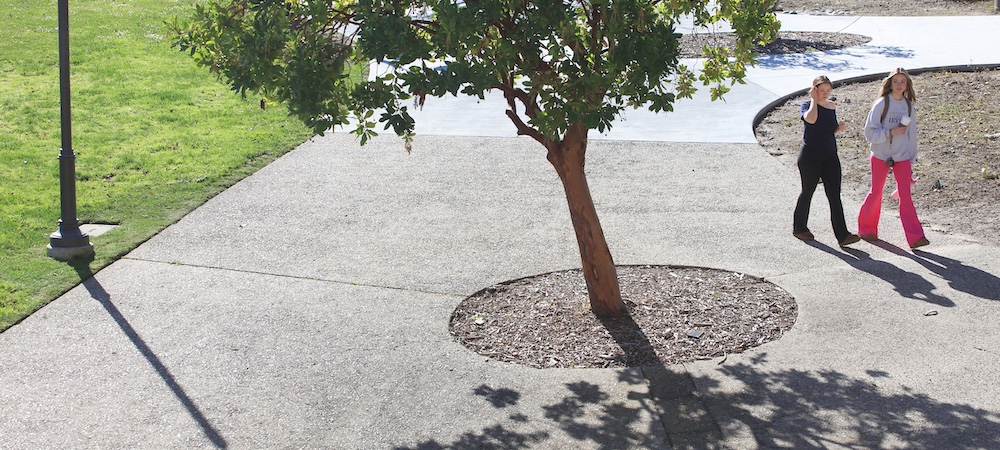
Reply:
x=960, y=277
x=907, y=284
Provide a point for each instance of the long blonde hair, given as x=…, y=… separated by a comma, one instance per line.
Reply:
x=908, y=94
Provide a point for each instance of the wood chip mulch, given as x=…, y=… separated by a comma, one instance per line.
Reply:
x=676, y=314
x=788, y=42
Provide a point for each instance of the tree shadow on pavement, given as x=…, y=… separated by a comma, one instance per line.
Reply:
x=619, y=424
x=496, y=437
x=798, y=409
x=98, y=293
x=832, y=60
x=660, y=409
x=666, y=407
x=806, y=409
x=907, y=284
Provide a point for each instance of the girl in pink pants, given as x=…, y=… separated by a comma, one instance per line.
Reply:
x=872, y=208
x=891, y=131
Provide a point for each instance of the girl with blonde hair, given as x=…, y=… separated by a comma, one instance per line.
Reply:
x=891, y=132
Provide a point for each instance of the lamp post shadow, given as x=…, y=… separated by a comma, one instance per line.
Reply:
x=98, y=293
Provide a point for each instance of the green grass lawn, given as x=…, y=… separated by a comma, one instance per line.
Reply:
x=155, y=136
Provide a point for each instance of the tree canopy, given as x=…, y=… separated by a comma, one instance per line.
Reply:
x=564, y=67
x=558, y=63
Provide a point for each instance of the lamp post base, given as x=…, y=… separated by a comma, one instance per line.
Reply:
x=70, y=246
x=70, y=253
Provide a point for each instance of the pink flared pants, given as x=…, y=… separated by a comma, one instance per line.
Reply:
x=872, y=207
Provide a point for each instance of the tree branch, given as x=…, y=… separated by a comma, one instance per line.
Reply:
x=512, y=95
x=524, y=130
x=426, y=25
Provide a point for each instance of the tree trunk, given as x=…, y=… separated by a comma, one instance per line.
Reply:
x=599, y=270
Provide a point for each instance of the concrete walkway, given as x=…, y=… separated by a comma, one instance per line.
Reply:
x=308, y=305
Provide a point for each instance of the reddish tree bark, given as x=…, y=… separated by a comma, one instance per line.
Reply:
x=568, y=158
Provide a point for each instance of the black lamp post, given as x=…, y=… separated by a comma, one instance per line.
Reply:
x=68, y=242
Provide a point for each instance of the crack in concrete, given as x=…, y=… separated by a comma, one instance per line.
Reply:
x=300, y=277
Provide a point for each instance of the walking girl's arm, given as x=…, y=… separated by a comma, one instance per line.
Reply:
x=841, y=126
x=810, y=115
x=875, y=133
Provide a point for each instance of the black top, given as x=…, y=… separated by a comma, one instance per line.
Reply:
x=820, y=135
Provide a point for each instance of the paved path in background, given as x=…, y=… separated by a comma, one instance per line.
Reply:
x=308, y=305
x=909, y=42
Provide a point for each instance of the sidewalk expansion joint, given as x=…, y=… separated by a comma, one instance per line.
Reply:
x=683, y=413
x=300, y=277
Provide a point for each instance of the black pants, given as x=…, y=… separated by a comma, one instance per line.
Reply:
x=815, y=165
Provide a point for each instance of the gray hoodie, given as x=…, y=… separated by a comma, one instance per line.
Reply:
x=904, y=146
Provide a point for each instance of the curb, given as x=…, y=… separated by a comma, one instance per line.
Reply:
x=759, y=117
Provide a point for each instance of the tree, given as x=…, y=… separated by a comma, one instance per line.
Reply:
x=564, y=67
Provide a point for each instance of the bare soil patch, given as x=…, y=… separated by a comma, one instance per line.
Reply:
x=679, y=314
x=887, y=7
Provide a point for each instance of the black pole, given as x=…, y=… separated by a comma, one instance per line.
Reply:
x=68, y=242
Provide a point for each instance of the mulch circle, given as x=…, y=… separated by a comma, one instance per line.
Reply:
x=676, y=314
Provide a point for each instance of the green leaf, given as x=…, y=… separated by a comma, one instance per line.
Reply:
x=568, y=62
